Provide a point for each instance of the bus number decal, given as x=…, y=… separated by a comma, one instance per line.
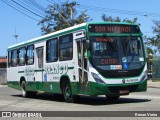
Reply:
x=29, y=71
x=57, y=69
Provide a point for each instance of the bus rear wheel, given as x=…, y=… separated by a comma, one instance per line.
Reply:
x=23, y=89
x=67, y=93
x=26, y=93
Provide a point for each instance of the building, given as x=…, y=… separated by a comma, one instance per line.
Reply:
x=3, y=70
x=3, y=62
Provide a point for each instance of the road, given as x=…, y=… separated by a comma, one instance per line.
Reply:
x=11, y=100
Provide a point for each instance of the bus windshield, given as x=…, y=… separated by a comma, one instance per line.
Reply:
x=117, y=53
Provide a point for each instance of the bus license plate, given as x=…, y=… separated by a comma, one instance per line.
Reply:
x=124, y=91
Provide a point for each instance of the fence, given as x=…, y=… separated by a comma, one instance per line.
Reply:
x=3, y=75
x=156, y=69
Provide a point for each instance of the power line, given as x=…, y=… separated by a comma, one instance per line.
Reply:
x=31, y=6
x=37, y=5
x=101, y=9
x=7, y=3
x=27, y=9
x=52, y=1
x=60, y=1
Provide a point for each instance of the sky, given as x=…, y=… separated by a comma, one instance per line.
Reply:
x=27, y=28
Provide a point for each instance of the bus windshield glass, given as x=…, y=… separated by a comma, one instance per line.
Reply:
x=117, y=53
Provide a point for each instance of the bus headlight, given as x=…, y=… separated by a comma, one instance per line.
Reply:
x=145, y=76
x=97, y=78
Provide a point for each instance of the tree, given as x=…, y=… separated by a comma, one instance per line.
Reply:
x=156, y=39
x=110, y=18
x=58, y=16
x=153, y=42
x=117, y=19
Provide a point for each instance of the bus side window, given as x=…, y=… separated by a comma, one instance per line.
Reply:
x=9, y=58
x=14, y=58
x=30, y=55
x=66, y=47
x=22, y=56
x=52, y=50
x=79, y=53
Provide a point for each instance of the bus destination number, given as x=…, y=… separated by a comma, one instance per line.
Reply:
x=113, y=61
x=114, y=28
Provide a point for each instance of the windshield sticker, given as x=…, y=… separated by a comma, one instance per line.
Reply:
x=131, y=80
x=141, y=59
x=115, y=67
x=45, y=77
x=125, y=65
x=124, y=59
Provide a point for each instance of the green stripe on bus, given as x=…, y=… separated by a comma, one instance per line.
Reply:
x=70, y=68
x=43, y=70
x=20, y=71
x=38, y=70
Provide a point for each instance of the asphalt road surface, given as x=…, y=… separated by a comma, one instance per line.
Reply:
x=11, y=100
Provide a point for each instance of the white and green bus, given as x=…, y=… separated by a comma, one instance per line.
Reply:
x=96, y=58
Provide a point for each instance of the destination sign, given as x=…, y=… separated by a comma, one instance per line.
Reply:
x=102, y=39
x=113, y=28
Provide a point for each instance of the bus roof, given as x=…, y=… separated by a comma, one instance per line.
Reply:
x=41, y=38
x=122, y=23
x=46, y=36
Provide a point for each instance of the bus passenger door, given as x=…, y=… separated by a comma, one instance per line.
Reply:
x=82, y=65
x=39, y=66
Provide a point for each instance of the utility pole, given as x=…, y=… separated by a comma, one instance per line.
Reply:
x=70, y=6
x=16, y=36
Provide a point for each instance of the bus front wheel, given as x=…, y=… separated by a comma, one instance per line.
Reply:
x=67, y=93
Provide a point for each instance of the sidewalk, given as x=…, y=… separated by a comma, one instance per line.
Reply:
x=153, y=84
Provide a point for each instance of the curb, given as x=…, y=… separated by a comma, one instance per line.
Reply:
x=3, y=85
x=153, y=87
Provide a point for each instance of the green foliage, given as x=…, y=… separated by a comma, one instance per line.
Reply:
x=117, y=19
x=110, y=18
x=58, y=17
x=153, y=42
x=156, y=28
x=156, y=69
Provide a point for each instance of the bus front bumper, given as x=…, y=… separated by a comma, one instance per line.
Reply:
x=116, y=89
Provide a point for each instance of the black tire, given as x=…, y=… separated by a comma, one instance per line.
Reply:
x=26, y=93
x=67, y=93
x=23, y=89
x=112, y=98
